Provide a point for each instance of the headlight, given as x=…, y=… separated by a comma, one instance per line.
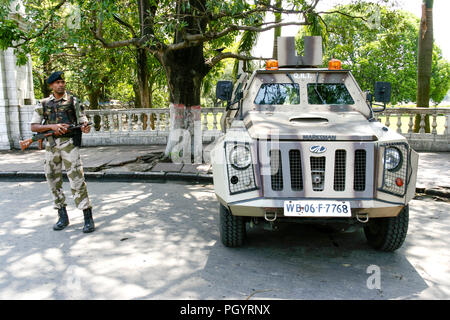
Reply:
x=240, y=157
x=240, y=170
x=392, y=158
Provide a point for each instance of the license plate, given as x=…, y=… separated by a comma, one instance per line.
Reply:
x=317, y=208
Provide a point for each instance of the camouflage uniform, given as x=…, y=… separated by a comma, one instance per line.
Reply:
x=63, y=151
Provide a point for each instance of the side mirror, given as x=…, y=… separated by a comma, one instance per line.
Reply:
x=224, y=90
x=382, y=92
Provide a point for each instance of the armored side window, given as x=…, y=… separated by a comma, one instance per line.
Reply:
x=278, y=93
x=329, y=93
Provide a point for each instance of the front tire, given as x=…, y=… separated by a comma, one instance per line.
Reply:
x=232, y=228
x=388, y=234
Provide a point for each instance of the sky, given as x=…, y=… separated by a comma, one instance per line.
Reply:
x=441, y=24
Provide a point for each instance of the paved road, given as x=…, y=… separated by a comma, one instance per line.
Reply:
x=160, y=241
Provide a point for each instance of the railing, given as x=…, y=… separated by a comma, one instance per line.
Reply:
x=403, y=120
x=140, y=126
x=137, y=126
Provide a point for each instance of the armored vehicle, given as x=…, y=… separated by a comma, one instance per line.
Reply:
x=301, y=144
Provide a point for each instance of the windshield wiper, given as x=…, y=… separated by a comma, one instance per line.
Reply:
x=317, y=91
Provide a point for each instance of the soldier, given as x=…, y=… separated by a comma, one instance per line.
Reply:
x=56, y=113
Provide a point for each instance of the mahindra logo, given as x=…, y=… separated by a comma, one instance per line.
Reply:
x=317, y=149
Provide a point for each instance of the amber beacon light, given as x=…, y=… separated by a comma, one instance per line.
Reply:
x=334, y=64
x=272, y=65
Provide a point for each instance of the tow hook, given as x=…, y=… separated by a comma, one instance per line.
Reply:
x=270, y=216
x=362, y=217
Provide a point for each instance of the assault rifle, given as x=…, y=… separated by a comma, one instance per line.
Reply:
x=42, y=135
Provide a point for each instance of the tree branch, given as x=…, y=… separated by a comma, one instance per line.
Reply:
x=45, y=27
x=342, y=13
x=195, y=39
x=125, y=24
x=229, y=55
x=97, y=31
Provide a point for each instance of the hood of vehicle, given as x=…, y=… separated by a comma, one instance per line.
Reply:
x=309, y=126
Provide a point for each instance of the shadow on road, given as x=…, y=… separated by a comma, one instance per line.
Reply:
x=161, y=241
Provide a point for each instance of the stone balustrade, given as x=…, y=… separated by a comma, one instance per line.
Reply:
x=402, y=120
x=152, y=126
x=143, y=126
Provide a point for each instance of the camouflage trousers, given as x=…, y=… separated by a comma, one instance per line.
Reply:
x=64, y=152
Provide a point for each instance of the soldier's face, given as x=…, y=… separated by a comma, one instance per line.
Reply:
x=59, y=86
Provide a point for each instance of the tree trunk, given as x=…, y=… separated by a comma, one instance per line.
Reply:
x=424, y=62
x=94, y=95
x=276, y=31
x=142, y=75
x=45, y=89
x=185, y=70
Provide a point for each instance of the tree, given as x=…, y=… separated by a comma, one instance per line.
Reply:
x=440, y=77
x=424, y=61
x=184, y=36
x=277, y=30
x=383, y=52
x=180, y=35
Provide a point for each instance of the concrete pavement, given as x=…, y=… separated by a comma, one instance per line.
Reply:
x=112, y=163
x=161, y=241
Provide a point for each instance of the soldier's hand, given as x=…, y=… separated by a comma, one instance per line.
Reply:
x=85, y=127
x=60, y=128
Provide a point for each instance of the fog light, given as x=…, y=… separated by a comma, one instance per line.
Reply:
x=399, y=182
x=234, y=180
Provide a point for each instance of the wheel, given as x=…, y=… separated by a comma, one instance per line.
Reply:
x=388, y=234
x=232, y=228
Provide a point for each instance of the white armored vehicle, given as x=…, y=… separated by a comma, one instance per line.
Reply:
x=301, y=144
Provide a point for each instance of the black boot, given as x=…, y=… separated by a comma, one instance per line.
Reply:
x=63, y=220
x=88, y=221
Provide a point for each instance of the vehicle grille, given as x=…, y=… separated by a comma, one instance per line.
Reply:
x=295, y=164
x=276, y=170
x=359, y=181
x=317, y=173
x=339, y=172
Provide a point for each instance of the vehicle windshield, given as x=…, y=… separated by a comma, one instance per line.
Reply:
x=329, y=93
x=278, y=93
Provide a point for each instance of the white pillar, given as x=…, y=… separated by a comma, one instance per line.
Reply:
x=16, y=92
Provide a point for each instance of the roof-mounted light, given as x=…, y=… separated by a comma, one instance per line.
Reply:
x=334, y=64
x=272, y=65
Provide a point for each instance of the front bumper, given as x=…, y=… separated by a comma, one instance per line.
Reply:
x=258, y=207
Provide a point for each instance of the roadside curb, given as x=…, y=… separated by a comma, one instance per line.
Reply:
x=439, y=191
x=119, y=176
x=161, y=176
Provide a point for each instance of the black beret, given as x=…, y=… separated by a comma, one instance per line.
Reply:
x=58, y=75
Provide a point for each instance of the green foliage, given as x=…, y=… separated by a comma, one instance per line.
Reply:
x=245, y=45
x=384, y=52
x=223, y=71
x=440, y=77
x=59, y=40
x=9, y=33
